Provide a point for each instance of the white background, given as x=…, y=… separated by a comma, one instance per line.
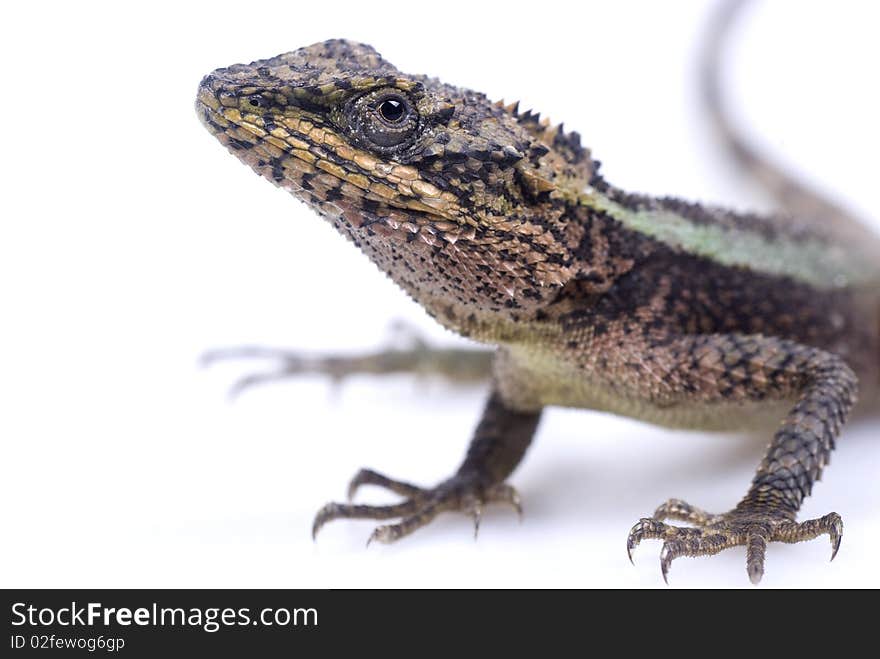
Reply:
x=131, y=241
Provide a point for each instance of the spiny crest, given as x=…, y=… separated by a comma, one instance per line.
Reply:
x=574, y=168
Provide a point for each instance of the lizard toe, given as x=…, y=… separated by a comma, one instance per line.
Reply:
x=461, y=493
x=743, y=526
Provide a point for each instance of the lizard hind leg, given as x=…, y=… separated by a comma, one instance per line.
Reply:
x=499, y=443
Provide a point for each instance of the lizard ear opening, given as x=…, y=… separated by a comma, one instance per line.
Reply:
x=573, y=168
x=532, y=181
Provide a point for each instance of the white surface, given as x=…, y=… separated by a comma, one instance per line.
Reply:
x=131, y=241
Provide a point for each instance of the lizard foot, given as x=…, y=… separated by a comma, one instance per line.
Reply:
x=714, y=533
x=462, y=493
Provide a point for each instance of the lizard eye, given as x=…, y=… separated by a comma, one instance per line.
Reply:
x=392, y=109
x=384, y=119
x=257, y=101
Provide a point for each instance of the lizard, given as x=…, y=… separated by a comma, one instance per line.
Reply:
x=502, y=227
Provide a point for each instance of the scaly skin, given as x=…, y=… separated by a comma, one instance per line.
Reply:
x=502, y=228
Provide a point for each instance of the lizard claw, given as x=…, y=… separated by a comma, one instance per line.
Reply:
x=459, y=493
x=715, y=533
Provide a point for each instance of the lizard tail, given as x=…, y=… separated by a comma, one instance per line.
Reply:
x=794, y=196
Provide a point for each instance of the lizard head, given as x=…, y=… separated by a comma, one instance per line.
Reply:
x=462, y=201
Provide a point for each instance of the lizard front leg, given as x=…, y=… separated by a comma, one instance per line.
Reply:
x=407, y=353
x=498, y=445
x=740, y=368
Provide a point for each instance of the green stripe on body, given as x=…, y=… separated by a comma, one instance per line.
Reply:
x=811, y=261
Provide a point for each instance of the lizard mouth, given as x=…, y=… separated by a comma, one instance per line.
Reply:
x=337, y=180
